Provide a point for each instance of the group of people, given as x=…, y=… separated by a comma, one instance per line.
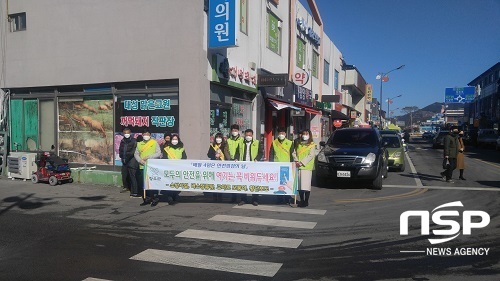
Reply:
x=453, y=155
x=135, y=152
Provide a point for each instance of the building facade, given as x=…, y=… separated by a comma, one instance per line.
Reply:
x=484, y=111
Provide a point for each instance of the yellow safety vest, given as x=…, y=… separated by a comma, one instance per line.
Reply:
x=282, y=150
x=254, y=150
x=302, y=152
x=221, y=153
x=146, y=149
x=233, y=145
x=174, y=153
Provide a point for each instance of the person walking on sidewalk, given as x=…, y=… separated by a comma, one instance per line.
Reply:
x=216, y=152
x=303, y=156
x=450, y=152
x=281, y=151
x=460, y=155
x=126, y=151
x=251, y=152
x=146, y=149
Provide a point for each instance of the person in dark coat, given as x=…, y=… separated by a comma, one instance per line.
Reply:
x=217, y=151
x=450, y=152
x=460, y=155
x=126, y=152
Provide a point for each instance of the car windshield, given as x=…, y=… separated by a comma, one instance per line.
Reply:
x=391, y=142
x=354, y=137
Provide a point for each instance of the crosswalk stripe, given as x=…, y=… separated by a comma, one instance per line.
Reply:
x=282, y=209
x=262, y=221
x=259, y=268
x=468, y=188
x=241, y=238
x=95, y=279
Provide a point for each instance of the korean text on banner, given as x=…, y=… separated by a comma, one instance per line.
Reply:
x=223, y=23
x=218, y=176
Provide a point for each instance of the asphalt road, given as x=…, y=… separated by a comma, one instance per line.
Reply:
x=84, y=232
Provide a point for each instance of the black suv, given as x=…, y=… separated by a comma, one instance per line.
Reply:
x=352, y=154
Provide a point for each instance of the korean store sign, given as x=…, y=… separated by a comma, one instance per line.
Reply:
x=223, y=23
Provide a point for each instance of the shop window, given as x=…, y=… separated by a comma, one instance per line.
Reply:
x=336, y=80
x=86, y=129
x=300, y=53
x=17, y=22
x=244, y=16
x=315, y=61
x=220, y=120
x=158, y=112
x=273, y=41
x=47, y=125
x=241, y=114
x=326, y=73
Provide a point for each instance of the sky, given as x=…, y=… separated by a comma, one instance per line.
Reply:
x=442, y=43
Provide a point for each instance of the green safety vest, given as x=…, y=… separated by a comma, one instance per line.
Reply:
x=282, y=150
x=254, y=150
x=146, y=149
x=174, y=153
x=302, y=152
x=232, y=145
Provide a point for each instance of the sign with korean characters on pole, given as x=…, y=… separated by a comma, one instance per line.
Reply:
x=268, y=178
x=223, y=23
x=369, y=93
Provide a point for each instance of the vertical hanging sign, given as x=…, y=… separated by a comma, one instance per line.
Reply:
x=223, y=23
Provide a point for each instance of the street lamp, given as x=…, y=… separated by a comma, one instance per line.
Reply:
x=388, y=103
x=381, y=76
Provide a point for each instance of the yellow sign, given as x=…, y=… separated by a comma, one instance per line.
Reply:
x=369, y=93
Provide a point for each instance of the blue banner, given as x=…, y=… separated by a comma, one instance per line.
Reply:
x=459, y=94
x=223, y=23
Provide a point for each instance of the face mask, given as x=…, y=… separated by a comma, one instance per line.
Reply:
x=234, y=134
x=146, y=138
x=174, y=142
x=248, y=138
x=281, y=137
x=126, y=136
x=305, y=137
x=218, y=140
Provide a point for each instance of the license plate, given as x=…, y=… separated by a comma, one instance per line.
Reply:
x=343, y=174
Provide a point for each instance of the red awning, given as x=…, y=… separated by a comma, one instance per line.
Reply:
x=279, y=105
x=313, y=111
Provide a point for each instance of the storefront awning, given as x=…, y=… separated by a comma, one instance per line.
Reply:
x=279, y=105
x=313, y=111
x=338, y=115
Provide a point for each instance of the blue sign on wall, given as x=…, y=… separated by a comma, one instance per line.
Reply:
x=223, y=24
x=459, y=95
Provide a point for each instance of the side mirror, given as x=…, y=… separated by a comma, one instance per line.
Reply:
x=322, y=143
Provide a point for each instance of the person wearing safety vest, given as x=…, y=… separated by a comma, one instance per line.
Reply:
x=304, y=154
x=251, y=152
x=234, y=148
x=216, y=152
x=281, y=151
x=174, y=150
x=146, y=149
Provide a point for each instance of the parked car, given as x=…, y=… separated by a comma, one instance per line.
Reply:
x=396, y=151
x=352, y=154
x=428, y=135
x=498, y=143
x=389, y=132
x=438, y=140
x=487, y=137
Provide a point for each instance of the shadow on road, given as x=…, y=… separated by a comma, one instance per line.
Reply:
x=23, y=203
x=490, y=183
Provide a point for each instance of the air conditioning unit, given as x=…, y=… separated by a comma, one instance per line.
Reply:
x=21, y=165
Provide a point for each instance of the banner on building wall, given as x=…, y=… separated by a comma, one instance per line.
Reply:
x=271, y=178
x=369, y=93
x=86, y=131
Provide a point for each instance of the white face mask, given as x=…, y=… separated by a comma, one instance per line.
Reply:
x=281, y=137
x=248, y=138
x=217, y=140
x=235, y=134
x=126, y=136
x=174, y=142
x=146, y=138
x=305, y=137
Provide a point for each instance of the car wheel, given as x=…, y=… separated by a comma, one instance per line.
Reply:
x=70, y=180
x=386, y=172
x=34, y=178
x=377, y=182
x=53, y=180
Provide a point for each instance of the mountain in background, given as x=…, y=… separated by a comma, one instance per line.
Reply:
x=427, y=112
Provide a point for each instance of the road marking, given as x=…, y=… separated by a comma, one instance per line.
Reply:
x=282, y=209
x=241, y=238
x=262, y=221
x=413, y=170
x=268, y=269
x=417, y=191
x=485, y=162
x=95, y=279
x=447, y=187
